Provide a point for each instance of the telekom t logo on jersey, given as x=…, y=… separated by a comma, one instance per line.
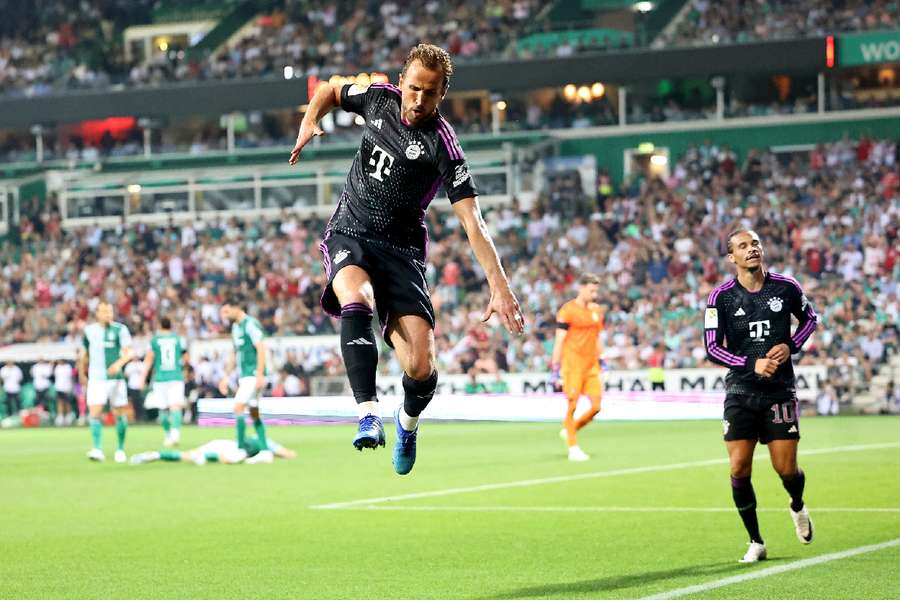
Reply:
x=759, y=329
x=382, y=163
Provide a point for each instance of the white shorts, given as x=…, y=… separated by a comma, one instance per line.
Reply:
x=165, y=394
x=246, y=392
x=227, y=450
x=113, y=390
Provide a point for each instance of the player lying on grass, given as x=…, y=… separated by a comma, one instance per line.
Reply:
x=223, y=451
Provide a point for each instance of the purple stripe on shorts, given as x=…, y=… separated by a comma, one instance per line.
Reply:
x=326, y=260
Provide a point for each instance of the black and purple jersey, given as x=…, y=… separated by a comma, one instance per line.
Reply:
x=397, y=172
x=742, y=326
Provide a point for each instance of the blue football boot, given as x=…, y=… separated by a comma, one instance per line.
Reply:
x=370, y=434
x=404, y=447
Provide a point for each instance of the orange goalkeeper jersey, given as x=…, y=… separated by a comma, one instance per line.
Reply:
x=583, y=326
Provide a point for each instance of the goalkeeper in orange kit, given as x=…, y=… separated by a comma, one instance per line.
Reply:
x=576, y=358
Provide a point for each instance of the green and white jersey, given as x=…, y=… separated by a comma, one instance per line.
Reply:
x=104, y=347
x=167, y=350
x=245, y=336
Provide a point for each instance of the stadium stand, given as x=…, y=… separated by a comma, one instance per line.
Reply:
x=733, y=21
x=828, y=216
x=632, y=231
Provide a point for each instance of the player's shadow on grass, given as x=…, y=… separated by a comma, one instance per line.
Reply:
x=622, y=582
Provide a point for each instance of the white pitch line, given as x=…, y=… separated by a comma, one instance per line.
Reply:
x=604, y=509
x=800, y=564
x=582, y=476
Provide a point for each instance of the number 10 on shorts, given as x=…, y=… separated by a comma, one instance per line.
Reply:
x=785, y=412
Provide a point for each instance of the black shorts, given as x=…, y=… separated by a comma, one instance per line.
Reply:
x=763, y=419
x=42, y=397
x=398, y=280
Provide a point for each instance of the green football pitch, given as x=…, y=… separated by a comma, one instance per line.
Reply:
x=492, y=511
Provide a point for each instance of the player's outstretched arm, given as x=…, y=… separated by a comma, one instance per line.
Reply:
x=226, y=375
x=282, y=452
x=556, y=358
x=503, y=301
x=82, y=367
x=325, y=98
x=260, y=365
x=148, y=363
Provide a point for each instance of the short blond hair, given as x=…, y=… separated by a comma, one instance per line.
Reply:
x=433, y=58
x=589, y=279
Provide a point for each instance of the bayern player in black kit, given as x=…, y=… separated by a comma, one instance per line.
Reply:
x=747, y=328
x=375, y=243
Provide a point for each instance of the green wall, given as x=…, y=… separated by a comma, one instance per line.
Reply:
x=610, y=151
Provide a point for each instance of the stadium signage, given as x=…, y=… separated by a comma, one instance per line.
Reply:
x=809, y=380
x=869, y=48
x=477, y=407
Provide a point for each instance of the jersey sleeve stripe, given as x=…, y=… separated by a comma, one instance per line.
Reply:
x=801, y=336
x=451, y=138
x=714, y=295
x=386, y=86
x=451, y=150
x=721, y=354
x=452, y=132
x=786, y=279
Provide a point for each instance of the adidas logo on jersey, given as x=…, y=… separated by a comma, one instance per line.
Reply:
x=377, y=123
x=340, y=256
x=740, y=312
x=359, y=342
x=793, y=429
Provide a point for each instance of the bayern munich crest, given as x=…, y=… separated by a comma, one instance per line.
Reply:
x=414, y=151
x=775, y=304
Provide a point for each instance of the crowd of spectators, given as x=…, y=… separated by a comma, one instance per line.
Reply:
x=316, y=37
x=733, y=21
x=828, y=217
x=54, y=45
x=524, y=112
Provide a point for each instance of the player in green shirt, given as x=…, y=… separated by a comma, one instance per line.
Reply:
x=106, y=348
x=165, y=357
x=250, y=363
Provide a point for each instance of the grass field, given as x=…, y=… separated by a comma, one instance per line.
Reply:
x=491, y=512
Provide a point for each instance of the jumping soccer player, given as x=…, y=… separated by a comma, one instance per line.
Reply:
x=748, y=329
x=223, y=451
x=165, y=358
x=250, y=361
x=576, y=358
x=375, y=243
x=106, y=349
